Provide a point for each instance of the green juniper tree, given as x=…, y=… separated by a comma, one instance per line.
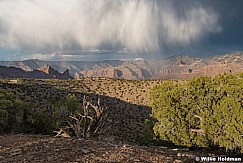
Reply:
x=203, y=111
x=11, y=112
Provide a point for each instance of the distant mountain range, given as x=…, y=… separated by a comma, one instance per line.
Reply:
x=176, y=67
x=42, y=73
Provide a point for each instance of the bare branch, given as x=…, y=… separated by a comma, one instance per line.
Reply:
x=73, y=117
x=90, y=122
x=71, y=126
x=198, y=131
x=198, y=117
x=62, y=133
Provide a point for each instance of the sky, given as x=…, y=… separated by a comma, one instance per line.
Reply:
x=118, y=29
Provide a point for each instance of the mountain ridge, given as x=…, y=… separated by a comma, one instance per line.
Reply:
x=46, y=73
x=175, y=67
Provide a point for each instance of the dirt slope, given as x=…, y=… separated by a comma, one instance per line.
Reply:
x=37, y=148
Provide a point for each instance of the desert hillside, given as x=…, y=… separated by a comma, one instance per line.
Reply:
x=127, y=106
x=127, y=103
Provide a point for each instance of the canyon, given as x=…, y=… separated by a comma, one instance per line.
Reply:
x=175, y=67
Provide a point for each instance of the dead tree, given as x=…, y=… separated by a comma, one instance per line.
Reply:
x=90, y=122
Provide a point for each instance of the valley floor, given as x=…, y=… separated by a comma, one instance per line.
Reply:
x=40, y=148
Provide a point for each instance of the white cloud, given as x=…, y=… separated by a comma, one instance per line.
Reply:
x=44, y=56
x=91, y=24
x=55, y=56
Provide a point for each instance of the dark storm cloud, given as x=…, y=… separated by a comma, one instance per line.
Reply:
x=136, y=25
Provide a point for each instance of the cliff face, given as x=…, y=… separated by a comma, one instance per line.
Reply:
x=176, y=67
x=189, y=67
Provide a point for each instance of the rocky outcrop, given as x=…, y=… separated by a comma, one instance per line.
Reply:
x=44, y=69
x=66, y=72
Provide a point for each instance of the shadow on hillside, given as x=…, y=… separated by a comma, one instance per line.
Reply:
x=126, y=120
